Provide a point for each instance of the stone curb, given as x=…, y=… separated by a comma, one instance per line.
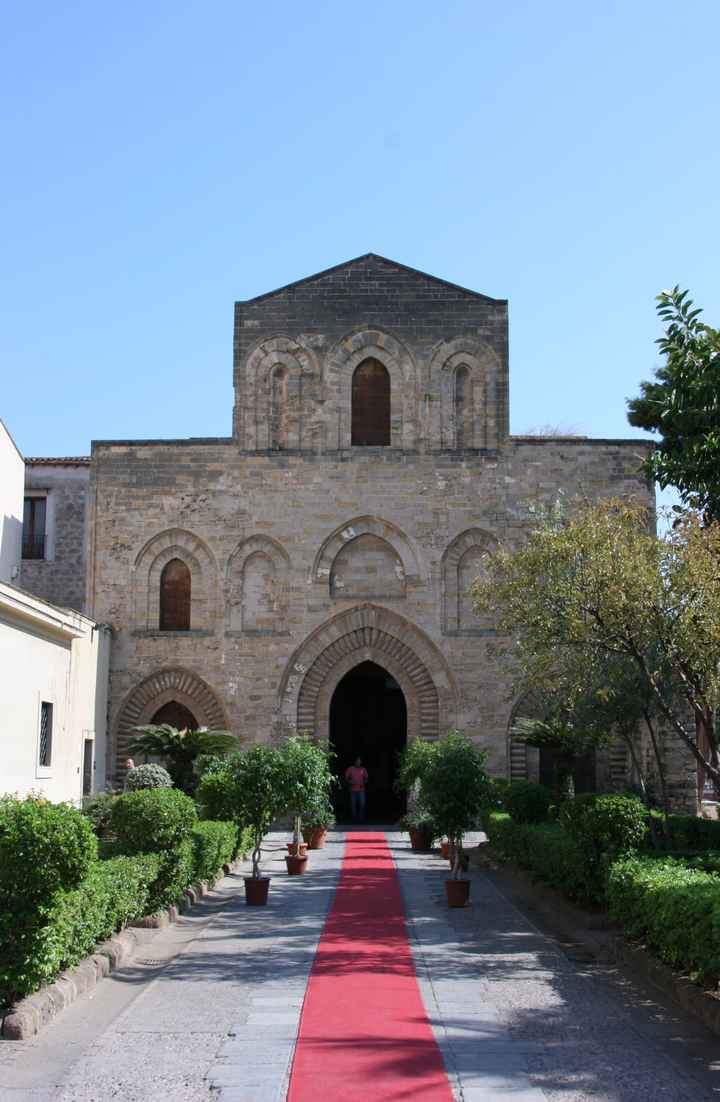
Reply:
x=694, y=1000
x=33, y=1013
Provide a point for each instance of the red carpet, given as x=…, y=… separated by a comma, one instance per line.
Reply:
x=364, y=1034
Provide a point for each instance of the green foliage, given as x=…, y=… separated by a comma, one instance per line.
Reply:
x=675, y=909
x=306, y=776
x=152, y=820
x=494, y=799
x=97, y=810
x=682, y=405
x=546, y=850
x=181, y=749
x=527, y=802
x=249, y=788
x=148, y=776
x=38, y=940
x=213, y=845
x=453, y=787
x=415, y=760
x=421, y=820
x=43, y=847
x=601, y=585
x=691, y=832
x=605, y=828
x=319, y=813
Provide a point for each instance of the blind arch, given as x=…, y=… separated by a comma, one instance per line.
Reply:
x=175, y=585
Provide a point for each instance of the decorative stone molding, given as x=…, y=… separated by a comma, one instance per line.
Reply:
x=368, y=633
x=256, y=419
x=360, y=526
x=478, y=426
x=455, y=602
x=161, y=687
x=174, y=543
x=348, y=354
x=243, y=598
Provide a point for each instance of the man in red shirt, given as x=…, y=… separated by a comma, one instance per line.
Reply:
x=356, y=776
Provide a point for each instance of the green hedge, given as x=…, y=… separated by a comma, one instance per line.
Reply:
x=674, y=908
x=37, y=943
x=213, y=845
x=527, y=802
x=691, y=832
x=546, y=850
x=152, y=820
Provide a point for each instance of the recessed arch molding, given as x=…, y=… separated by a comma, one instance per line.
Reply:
x=367, y=633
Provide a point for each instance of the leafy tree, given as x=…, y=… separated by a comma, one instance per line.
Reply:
x=682, y=403
x=180, y=749
x=604, y=584
x=249, y=788
x=455, y=785
x=306, y=779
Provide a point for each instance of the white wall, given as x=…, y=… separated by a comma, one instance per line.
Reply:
x=54, y=655
x=12, y=482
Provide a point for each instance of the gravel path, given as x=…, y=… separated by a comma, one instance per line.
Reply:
x=209, y=1010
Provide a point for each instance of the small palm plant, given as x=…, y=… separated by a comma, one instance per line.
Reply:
x=180, y=749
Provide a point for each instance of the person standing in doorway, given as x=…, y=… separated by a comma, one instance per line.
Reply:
x=357, y=777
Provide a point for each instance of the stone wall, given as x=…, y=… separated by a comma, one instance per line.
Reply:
x=59, y=577
x=268, y=539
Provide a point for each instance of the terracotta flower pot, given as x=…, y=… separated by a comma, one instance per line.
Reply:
x=445, y=848
x=296, y=865
x=303, y=848
x=315, y=837
x=420, y=840
x=458, y=892
x=256, y=890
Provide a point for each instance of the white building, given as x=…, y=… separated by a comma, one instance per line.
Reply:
x=53, y=672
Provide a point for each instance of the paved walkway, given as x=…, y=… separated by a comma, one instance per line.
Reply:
x=210, y=1010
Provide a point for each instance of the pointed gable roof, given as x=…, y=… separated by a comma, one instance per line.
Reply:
x=386, y=266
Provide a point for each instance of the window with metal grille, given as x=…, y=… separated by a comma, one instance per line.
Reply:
x=33, y=534
x=175, y=596
x=46, y=733
x=371, y=404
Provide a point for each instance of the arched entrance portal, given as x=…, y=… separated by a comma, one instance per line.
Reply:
x=368, y=719
x=175, y=715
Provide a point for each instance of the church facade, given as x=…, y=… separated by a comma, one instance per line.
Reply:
x=311, y=571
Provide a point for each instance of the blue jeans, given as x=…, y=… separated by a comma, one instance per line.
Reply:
x=357, y=804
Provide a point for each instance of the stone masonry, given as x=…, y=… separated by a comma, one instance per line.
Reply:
x=59, y=576
x=308, y=554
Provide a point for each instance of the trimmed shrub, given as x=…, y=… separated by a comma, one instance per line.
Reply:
x=36, y=945
x=605, y=827
x=97, y=810
x=691, y=832
x=213, y=846
x=526, y=802
x=546, y=850
x=149, y=775
x=152, y=820
x=44, y=847
x=674, y=908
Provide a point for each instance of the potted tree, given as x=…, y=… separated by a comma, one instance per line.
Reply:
x=250, y=788
x=417, y=821
x=306, y=784
x=316, y=820
x=455, y=785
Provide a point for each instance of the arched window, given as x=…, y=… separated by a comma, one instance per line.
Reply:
x=175, y=596
x=463, y=408
x=371, y=404
x=278, y=409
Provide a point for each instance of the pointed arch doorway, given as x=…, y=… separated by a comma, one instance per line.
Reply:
x=368, y=719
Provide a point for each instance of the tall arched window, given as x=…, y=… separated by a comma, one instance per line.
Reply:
x=371, y=404
x=175, y=596
x=278, y=408
x=463, y=408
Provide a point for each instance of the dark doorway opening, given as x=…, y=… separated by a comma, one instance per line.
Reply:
x=368, y=719
x=175, y=715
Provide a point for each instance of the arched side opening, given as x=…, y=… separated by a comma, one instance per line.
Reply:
x=371, y=404
x=175, y=587
x=368, y=719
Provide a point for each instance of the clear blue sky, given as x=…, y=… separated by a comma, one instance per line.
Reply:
x=162, y=160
